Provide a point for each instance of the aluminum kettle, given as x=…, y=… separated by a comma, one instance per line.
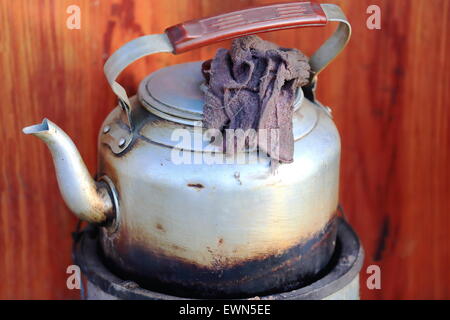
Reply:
x=198, y=229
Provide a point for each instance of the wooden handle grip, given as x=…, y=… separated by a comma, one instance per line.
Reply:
x=197, y=33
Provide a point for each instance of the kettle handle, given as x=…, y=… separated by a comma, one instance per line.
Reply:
x=197, y=33
x=201, y=32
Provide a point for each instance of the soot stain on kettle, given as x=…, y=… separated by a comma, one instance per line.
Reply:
x=297, y=266
x=177, y=248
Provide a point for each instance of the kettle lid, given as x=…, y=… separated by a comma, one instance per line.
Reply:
x=174, y=93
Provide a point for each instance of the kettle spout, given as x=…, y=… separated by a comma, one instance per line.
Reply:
x=89, y=200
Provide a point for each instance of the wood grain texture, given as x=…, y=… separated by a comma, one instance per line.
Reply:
x=389, y=91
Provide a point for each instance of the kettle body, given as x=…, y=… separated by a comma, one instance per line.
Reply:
x=178, y=215
x=220, y=228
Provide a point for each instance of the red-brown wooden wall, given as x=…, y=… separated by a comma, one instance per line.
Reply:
x=389, y=91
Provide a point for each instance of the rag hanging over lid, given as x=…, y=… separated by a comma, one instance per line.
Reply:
x=253, y=86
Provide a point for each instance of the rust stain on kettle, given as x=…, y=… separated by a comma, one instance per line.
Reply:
x=197, y=186
x=160, y=227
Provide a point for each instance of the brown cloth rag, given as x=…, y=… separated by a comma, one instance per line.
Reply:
x=253, y=86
